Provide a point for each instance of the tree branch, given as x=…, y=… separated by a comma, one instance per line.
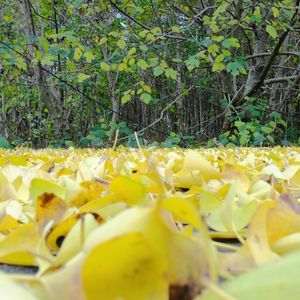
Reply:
x=269, y=54
x=280, y=79
x=275, y=52
x=141, y=24
x=34, y=10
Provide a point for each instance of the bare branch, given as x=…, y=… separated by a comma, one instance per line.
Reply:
x=275, y=52
x=161, y=114
x=269, y=54
x=280, y=79
x=141, y=24
x=34, y=10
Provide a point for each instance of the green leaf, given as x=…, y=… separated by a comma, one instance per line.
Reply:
x=103, y=40
x=213, y=49
x=7, y=18
x=282, y=122
x=143, y=47
x=236, y=67
x=177, y=60
x=114, y=34
x=273, y=281
x=122, y=66
x=4, y=143
x=69, y=35
x=175, y=29
x=157, y=71
x=192, y=63
x=239, y=124
x=244, y=139
x=270, y=138
x=153, y=61
x=223, y=6
x=47, y=60
x=71, y=65
x=146, y=88
x=170, y=73
x=217, y=38
x=126, y=98
x=219, y=58
x=231, y=43
x=150, y=37
x=142, y=64
x=275, y=11
x=288, y=13
x=272, y=31
x=230, y=145
x=218, y=66
x=259, y=139
x=82, y=77
x=121, y=43
x=146, y=98
x=88, y=56
x=131, y=51
x=257, y=12
x=266, y=129
x=77, y=54
x=156, y=31
x=233, y=68
x=69, y=144
x=104, y=66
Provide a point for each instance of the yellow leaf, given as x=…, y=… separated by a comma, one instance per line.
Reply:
x=8, y=223
x=209, y=203
x=183, y=209
x=257, y=238
x=40, y=186
x=232, y=214
x=10, y=290
x=60, y=231
x=89, y=191
x=16, y=247
x=48, y=207
x=282, y=221
x=128, y=268
x=136, y=238
x=75, y=238
x=194, y=169
x=289, y=243
x=176, y=248
x=127, y=190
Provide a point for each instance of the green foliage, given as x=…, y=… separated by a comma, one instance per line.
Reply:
x=251, y=126
x=237, y=66
x=272, y=31
x=162, y=54
x=4, y=143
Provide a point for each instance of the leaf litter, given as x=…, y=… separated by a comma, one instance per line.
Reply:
x=150, y=224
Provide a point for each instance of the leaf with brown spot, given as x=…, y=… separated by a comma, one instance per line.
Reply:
x=48, y=207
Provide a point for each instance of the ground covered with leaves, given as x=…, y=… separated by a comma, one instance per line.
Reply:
x=150, y=224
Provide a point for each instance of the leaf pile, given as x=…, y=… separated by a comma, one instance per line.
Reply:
x=151, y=224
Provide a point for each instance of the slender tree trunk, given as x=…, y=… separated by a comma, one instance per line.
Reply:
x=3, y=120
x=49, y=95
x=112, y=88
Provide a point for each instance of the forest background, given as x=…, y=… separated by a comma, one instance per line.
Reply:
x=177, y=72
